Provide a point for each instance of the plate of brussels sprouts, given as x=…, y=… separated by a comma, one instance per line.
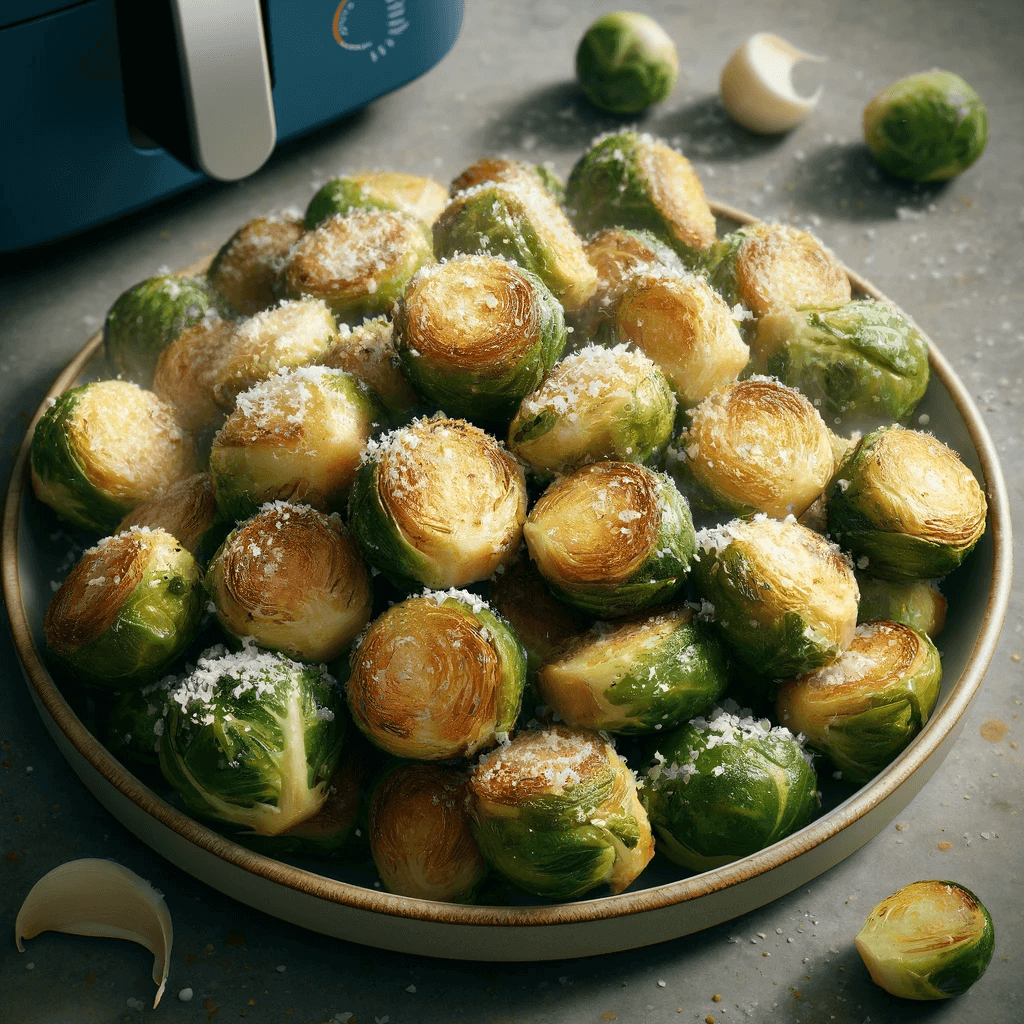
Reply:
x=514, y=570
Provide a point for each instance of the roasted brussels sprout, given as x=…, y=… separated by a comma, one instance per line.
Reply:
x=297, y=436
x=926, y=127
x=783, y=596
x=247, y=267
x=104, y=447
x=626, y=62
x=439, y=502
x=765, y=266
x=919, y=603
x=420, y=835
x=476, y=334
x=556, y=811
x=252, y=739
x=755, y=446
x=865, y=707
x=612, y=538
x=930, y=940
x=131, y=728
x=684, y=325
x=128, y=608
x=905, y=506
x=597, y=403
x=420, y=197
x=637, y=675
x=498, y=168
x=725, y=786
x=437, y=677
x=862, y=363
x=518, y=218
x=357, y=262
x=633, y=180
x=294, y=580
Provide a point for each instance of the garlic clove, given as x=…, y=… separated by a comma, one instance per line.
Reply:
x=757, y=87
x=100, y=897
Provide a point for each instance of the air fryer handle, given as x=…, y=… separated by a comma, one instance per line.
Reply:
x=197, y=80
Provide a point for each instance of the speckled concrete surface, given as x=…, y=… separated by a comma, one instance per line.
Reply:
x=953, y=255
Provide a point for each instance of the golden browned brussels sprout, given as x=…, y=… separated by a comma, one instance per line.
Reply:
x=293, y=579
x=918, y=603
x=437, y=677
x=420, y=835
x=498, y=168
x=420, y=197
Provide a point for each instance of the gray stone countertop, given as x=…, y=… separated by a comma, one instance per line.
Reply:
x=952, y=255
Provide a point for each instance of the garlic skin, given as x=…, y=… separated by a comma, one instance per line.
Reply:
x=92, y=896
x=757, y=88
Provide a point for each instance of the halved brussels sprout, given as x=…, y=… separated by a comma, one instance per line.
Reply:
x=597, y=403
x=438, y=502
x=612, y=538
x=685, y=326
x=637, y=675
x=476, y=334
x=905, y=506
x=864, y=708
x=148, y=316
x=632, y=180
x=437, y=677
x=918, y=604
x=862, y=362
x=294, y=580
x=766, y=266
x=755, y=446
x=783, y=596
x=926, y=127
x=252, y=739
x=357, y=262
x=104, y=447
x=626, y=62
x=420, y=197
x=498, y=168
x=420, y=835
x=518, y=218
x=247, y=267
x=297, y=436
x=556, y=811
x=725, y=786
x=930, y=940
x=128, y=608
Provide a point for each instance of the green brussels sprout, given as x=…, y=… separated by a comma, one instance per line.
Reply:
x=292, y=579
x=420, y=835
x=612, y=538
x=783, y=596
x=357, y=262
x=148, y=316
x=557, y=812
x=637, y=675
x=103, y=448
x=626, y=62
x=926, y=127
x=862, y=362
x=476, y=334
x=131, y=728
x=725, y=786
x=905, y=506
x=252, y=739
x=755, y=446
x=518, y=218
x=498, y=168
x=930, y=940
x=437, y=677
x=439, y=502
x=597, y=403
x=247, y=267
x=633, y=180
x=297, y=436
x=864, y=708
x=420, y=197
x=128, y=608
x=341, y=196
x=765, y=266
x=685, y=326
x=918, y=604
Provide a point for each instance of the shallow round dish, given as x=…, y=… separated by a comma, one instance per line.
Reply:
x=659, y=906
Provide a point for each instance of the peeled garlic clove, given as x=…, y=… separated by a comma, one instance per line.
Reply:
x=100, y=897
x=757, y=88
